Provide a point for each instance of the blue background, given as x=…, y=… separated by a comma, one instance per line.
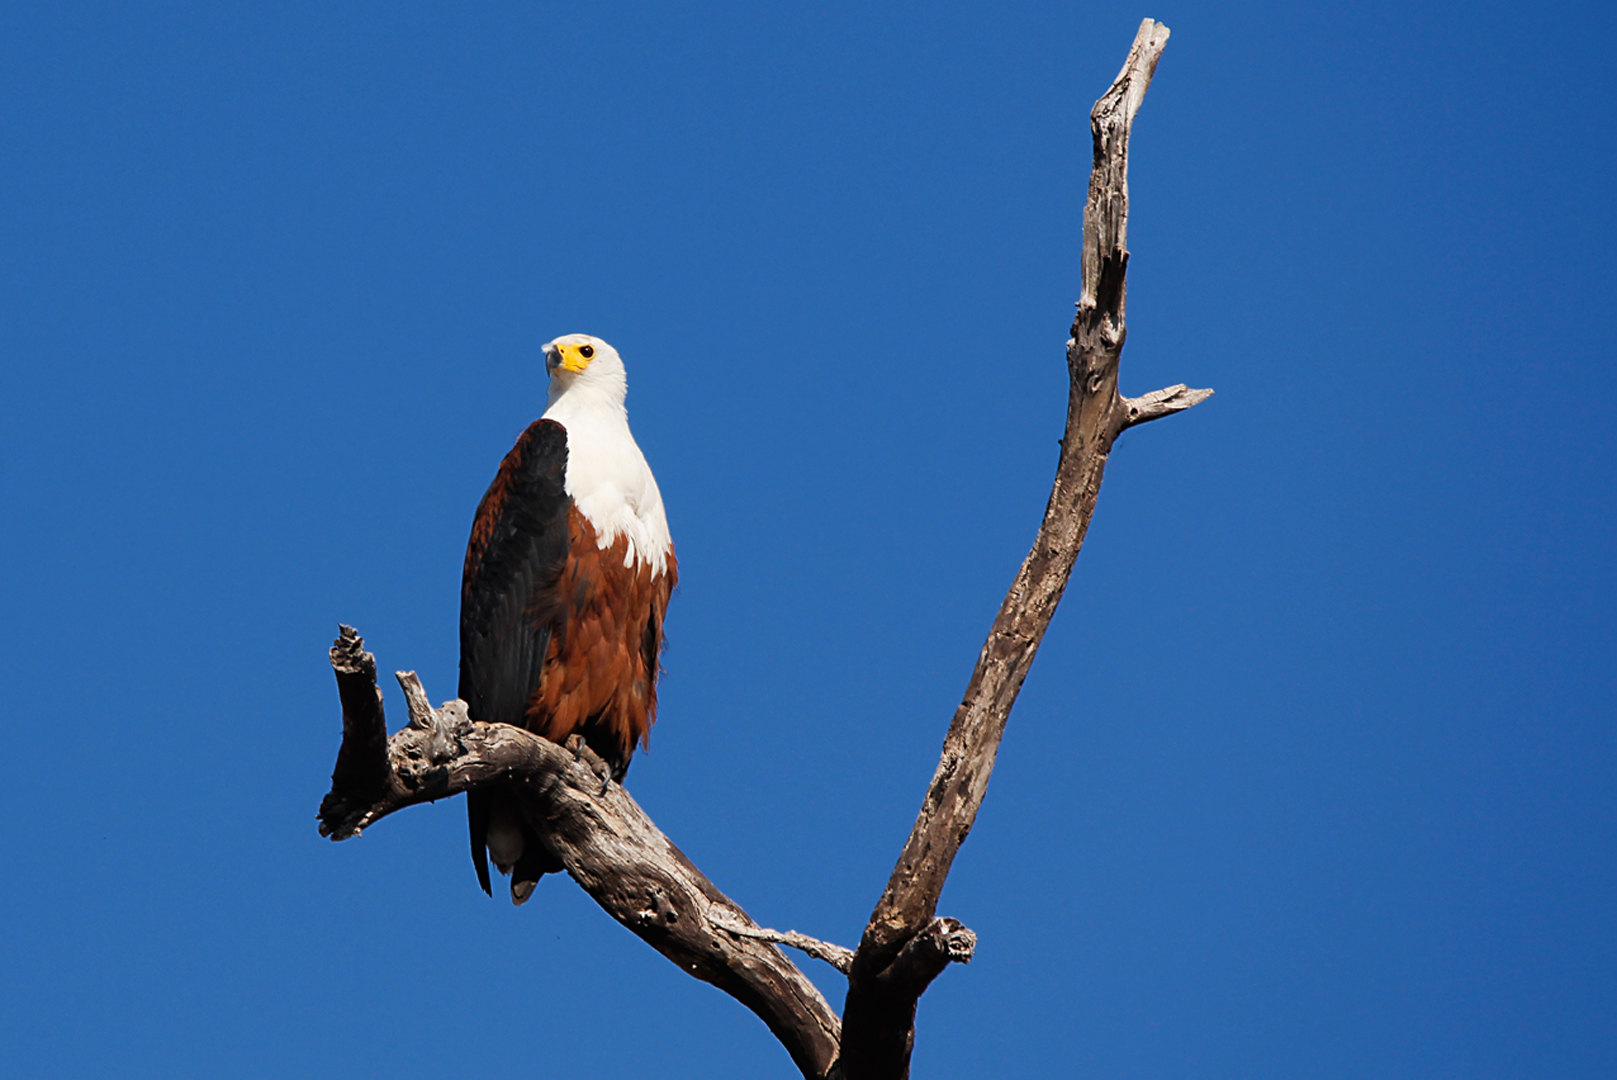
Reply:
x=1314, y=776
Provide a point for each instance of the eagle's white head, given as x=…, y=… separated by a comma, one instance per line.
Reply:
x=607, y=475
x=584, y=367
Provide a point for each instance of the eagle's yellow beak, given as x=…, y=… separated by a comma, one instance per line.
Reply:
x=568, y=357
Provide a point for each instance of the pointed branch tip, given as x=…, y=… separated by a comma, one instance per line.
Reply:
x=1160, y=403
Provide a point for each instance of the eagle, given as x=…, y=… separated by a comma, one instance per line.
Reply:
x=568, y=573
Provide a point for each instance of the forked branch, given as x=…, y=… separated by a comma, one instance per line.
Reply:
x=608, y=844
x=615, y=853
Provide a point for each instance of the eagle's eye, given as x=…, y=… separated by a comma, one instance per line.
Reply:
x=587, y=351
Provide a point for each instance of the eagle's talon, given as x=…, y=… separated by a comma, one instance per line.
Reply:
x=590, y=760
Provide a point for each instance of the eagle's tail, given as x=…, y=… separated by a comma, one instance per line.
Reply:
x=478, y=806
x=498, y=831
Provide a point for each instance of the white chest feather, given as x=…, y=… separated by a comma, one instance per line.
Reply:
x=610, y=482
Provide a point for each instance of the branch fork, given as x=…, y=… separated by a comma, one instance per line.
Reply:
x=617, y=855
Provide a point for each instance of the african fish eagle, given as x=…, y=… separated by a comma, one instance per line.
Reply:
x=568, y=573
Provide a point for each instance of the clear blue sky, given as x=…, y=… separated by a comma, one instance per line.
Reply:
x=1316, y=774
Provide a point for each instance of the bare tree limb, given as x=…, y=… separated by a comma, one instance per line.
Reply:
x=886, y=980
x=838, y=956
x=618, y=856
x=608, y=844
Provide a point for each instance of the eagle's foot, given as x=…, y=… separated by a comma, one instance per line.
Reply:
x=591, y=760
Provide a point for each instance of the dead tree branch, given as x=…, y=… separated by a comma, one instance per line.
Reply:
x=837, y=956
x=608, y=844
x=883, y=988
x=618, y=856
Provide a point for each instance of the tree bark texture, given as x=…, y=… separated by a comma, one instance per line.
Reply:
x=617, y=855
x=608, y=844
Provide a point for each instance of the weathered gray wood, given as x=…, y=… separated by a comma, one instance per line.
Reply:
x=886, y=981
x=837, y=956
x=608, y=844
x=1164, y=402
